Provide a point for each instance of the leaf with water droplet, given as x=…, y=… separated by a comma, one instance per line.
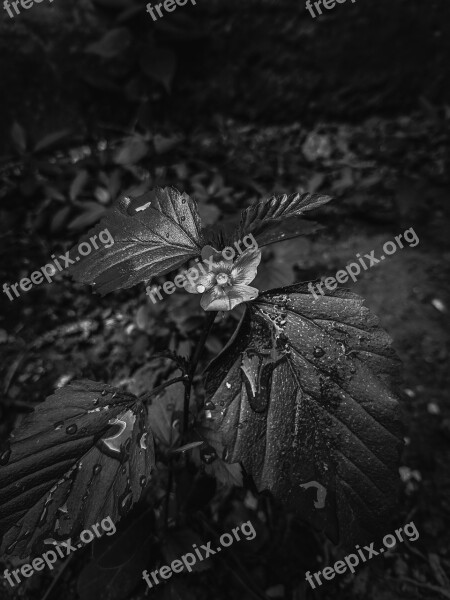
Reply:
x=327, y=416
x=56, y=469
x=149, y=238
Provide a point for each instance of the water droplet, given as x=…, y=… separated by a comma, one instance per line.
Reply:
x=124, y=470
x=200, y=289
x=318, y=352
x=143, y=481
x=183, y=218
x=58, y=425
x=125, y=503
x=143, y=442
x=228, y=385
x=43, y=515
x=118, y=444
x=5, y=456
x=97, y=469
x=104, y=392
x=210, y=405
x=183, y=201
x=64, y=509
x=167, y=235
x=71, y=429
x=208, y=415
x=208, y=455
x=240, y=425
x=11, y=547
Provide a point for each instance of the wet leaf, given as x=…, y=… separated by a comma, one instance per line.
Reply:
x=153, y=234
x=81, y=456
x=268, y=220
x=301, y=398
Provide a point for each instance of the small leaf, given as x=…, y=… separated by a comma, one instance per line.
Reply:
x=163, y=412
x=133, y=150
x=159, y=64
x=92, y=213
x=19, y=137
x=80, y=457
x=51, y=140
x=301, y=397
x=153, y=234
x=112, y=44
x=77, y=185
x=267, y=220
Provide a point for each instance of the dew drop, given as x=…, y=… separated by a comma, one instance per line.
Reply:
x=63, y=509
x=143, y=442
x=200, y=289
x=210, y=405
x=97, y=469
x=240, y=425
x=143, y=481
x=104, y=392
x=318, y=352
x=58, y=425
x=183, y=201
x=43, y=515
x=95, y=401
x=124, y=470
x=125, y=503
x=11, y=547
x=71, y=429
x=5, y=456
x=208, y=415
x=183, y=218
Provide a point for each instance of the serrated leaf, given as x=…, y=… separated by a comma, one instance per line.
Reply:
x=263, y=218
x=153, y=234
x=302, y=400
x=112, y=44
x=118, y=560
x=80, y=457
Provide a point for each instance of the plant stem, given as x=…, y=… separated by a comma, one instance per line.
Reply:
x=193, y=366
x=158, y=389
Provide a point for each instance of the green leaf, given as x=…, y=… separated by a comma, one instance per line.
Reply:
x=301, y=398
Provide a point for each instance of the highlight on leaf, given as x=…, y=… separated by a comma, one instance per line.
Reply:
x=84, y=454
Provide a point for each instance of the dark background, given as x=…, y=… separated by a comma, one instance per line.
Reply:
x=234, y=101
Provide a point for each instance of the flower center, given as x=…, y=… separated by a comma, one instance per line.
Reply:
x=222, y=279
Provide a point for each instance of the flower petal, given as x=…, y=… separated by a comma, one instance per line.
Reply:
x=192, y=283
x=246, y=266
x=218, y=298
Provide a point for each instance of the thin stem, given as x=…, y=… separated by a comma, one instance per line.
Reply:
x=158, y=389
x=193, y=367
